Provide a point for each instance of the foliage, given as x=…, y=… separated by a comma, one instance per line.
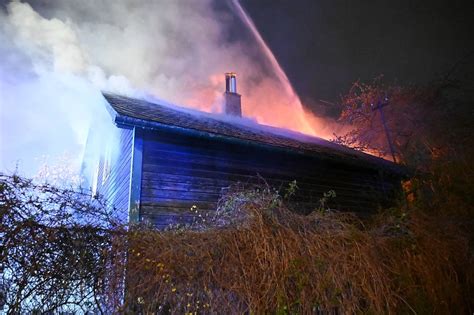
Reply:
x=425, y=121
x=63, y=251
x=281, y=262
x=55, y=245
x=325, y=199
x=431, y=131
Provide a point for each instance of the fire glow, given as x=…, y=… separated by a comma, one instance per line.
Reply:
x=294, y=102
x=274, y=103
x=63, y=60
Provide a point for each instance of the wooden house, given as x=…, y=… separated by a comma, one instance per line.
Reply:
x=171, y=159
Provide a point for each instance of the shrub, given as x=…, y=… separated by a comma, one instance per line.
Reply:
x=275, y=261
x=63, y=251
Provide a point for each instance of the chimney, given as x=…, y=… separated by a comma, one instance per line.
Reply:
x=231, y=98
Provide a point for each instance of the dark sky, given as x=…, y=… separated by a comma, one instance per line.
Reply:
x=324, y=45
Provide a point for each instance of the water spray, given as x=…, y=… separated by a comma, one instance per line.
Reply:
x=279, y=72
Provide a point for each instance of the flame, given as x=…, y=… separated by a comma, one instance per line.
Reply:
x=265, y=102
x=267, y=94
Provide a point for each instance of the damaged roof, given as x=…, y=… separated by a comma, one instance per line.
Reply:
x=128, y=111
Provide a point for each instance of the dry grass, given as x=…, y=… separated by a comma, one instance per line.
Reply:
x=62, y=251
x=267, y=259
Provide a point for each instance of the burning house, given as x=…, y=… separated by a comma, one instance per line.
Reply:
x=171, y=159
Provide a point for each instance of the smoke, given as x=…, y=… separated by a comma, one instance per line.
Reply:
x=57, y=55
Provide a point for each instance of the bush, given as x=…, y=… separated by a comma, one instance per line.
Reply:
x=55, y=248
x=63, y=251
x=276, y=261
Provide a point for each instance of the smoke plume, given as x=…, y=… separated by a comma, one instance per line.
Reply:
x=57, y=55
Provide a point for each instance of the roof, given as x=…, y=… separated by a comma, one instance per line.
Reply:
x=155, y=114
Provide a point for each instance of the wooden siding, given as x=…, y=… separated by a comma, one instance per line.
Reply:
x=114, y=183
x=180, y=171
x=136, y=176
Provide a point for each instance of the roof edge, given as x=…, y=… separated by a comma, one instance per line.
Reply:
x=360, y=159
x=112, y=112
x=372, y=162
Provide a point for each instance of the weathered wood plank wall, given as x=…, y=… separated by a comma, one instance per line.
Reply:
x=180, y=171
x=114, y=183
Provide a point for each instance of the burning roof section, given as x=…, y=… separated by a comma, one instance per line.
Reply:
x=131, y=112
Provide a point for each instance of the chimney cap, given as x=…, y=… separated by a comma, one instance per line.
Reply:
x=232, y=103
x=231, y=82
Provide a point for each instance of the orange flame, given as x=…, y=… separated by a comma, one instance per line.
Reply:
x=265, y=102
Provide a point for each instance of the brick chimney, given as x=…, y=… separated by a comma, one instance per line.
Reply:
x=232, y=104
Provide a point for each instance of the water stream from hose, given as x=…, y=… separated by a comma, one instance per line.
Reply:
x=279, y=72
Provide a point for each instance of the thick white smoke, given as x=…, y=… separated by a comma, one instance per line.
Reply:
x=57, y=55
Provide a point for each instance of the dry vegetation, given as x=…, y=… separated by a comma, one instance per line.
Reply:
x=279, y=262
x=253, y=256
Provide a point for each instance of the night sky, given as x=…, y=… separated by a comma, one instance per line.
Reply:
x=326, y=45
